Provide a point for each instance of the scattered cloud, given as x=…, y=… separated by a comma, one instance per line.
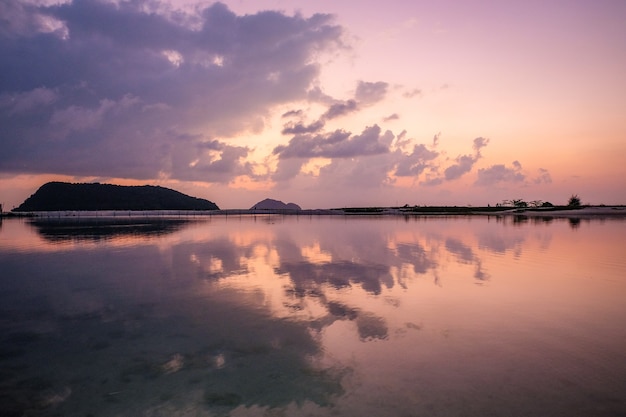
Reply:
x=142, y=90
x=340, y=109
x=499, y=173
x=299, y=128
x=391, y=117
x=416, y=92
x=337, y=144
x=292, y=113
x=543, y=177
x=465, y=163
x=413, y=164
x=98, y=88
x=368, y=93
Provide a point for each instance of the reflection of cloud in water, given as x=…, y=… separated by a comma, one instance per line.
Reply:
x=265, y=319
x=479, y=273
x=337, y=274
x=415, y=254
x=463, y=252
x=466, y=255
x=501, y=243
x=369, y=326
x=216, y=349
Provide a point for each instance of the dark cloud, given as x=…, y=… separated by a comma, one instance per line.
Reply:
x=340, y=109
x=367, y=93
x=299, y=128
x=113, y=89
x=465, y=163
x=292, y=113
x=499, y=173
x=20, y=18
x=337, y=144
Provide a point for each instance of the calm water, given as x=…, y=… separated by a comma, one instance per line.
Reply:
x=315, y=316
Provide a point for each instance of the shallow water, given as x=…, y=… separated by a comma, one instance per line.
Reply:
x=316, y=316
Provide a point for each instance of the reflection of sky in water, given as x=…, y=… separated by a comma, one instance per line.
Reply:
x=319, y=316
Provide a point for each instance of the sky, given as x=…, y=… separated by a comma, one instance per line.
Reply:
x=325, y=104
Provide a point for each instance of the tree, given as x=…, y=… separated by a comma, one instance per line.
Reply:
x=574, y=201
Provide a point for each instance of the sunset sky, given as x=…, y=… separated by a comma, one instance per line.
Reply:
x=321, y=103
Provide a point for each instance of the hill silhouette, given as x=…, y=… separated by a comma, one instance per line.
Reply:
x=55, y=196
x=269, y=204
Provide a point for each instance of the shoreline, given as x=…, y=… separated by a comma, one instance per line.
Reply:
x=434, y=211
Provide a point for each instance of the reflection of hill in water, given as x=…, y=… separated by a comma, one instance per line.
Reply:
x=93, y=229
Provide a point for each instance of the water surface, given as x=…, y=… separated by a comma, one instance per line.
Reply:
x=316, y=316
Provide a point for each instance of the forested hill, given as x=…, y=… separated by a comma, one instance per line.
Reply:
x=54, y=196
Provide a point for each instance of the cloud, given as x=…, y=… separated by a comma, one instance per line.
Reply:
x=436, y=139
x=299, y=128
x=543, y=177
x=499, y=173
x=416, y=162
x=28, y=100
x=121, y=89
x=292, y=113
x=80, y=118
x=337, y=144
x=368, y=93
x=416, y=92
x=355, y=174
x=23, y=19
x=432, y=182
x=211, y=161
x=340, y=109
x=391, y=117
x=480, y=143
x=465, y=163
x=287, y=169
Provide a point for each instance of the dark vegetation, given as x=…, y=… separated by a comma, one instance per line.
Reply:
x=574, y=201
x=517, y=204
x=57, y=196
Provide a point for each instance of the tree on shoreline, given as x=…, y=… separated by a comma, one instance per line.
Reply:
x=574, y=201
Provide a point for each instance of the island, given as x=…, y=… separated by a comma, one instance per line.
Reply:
x=270, y=204
x=64, y=196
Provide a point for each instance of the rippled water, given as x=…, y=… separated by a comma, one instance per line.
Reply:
x=316, y=316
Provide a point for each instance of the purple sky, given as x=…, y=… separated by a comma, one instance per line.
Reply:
x=325, y=104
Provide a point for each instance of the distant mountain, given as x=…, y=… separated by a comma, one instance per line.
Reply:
x=269, y=204
x=55, y=196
